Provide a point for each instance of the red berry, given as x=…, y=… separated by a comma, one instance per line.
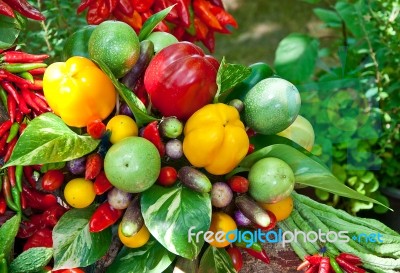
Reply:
x=167, y=176
x=94, y=164
x=52, y=180
x=251, y=149
x=96, y=129
x=238, y=184
x=271, y=225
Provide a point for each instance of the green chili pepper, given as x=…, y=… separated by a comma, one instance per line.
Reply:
x=18, y=176
x=7, y=194
x=16, y=194
x=3, y=96
x=3, y=265
x=21, y=67
x=13, y=132
x=256, y=246
x=335, y=266
x=27, y=76
x=259, y=71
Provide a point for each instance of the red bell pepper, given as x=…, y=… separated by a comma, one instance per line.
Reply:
x=94, y=164
x=151, y=133
x=37, y=199
x=102, y=184
x=41, y=238
x=103, y=217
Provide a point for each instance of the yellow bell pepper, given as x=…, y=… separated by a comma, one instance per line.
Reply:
x=78, y=91
x=215, y=138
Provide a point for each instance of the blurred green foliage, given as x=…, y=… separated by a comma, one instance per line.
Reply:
x=350, y=93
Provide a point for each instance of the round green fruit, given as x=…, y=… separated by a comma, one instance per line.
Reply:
x=116, y=45
x=78, y=43
x=270, y=180
x=161, y=40
x=133, y=164
x=271, y=106
x=301, y=132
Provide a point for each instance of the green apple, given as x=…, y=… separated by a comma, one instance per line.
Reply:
x=133, y=164
x=161, y=40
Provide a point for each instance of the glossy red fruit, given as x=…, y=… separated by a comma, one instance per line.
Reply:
x=238, y=184
x=168, y=176
x=96, y=128
x=52, y=180
x=181, y=79
x=271, y=225
x=236, y=257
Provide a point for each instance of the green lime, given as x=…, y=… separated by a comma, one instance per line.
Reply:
x=115, y=44
x=133, y=164
x=77, y=44
x=270, y=180
x=271, y=106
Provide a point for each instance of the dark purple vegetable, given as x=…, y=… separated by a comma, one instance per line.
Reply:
x=194, y=179
x=132, y=221
x=125, y=110
x=241, y=219
x=173, y=149
x=77, y=166
x=119, y=199
x=252, y=210
x=221, y=195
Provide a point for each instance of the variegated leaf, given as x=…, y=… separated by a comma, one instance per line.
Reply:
x=74, y=245
x=216, y=260
x=47, y=139
x=169, y=214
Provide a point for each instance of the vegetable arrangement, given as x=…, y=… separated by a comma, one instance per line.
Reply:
x=192, y=21
x=149, y=181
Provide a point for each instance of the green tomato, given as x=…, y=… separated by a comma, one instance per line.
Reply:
x=133, y=164
x=270, y=180
x=161, y=40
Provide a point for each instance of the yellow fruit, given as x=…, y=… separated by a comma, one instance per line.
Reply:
x=222, y=222
x=79, y=193
x=137, y=240
x=121, y=126
x=281, y=209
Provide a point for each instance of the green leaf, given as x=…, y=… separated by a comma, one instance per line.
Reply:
x=216, y=260
x=350, y=16
x=169, y=213
x=295, y=57
x=307, y=171
x=74, y=245
x=31, y=260
x=8, y=231
x=152, y=22
x=230, y=75
x=10, y=29
x=329, y=17
x=47, y=139
x=135, y=104
x=52, y=166
x=150, y=258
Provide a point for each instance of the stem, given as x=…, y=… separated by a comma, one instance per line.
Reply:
x=45, y=28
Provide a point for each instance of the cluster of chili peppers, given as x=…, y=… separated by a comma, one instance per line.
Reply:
x=189, y=20
x=8, y=8
x=346, y=262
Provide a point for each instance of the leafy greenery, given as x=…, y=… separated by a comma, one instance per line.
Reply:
x=352, y=99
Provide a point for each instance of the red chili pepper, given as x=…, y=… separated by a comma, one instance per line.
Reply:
x=21, y=128
x=179, y=31
x=51, y=216
x=93, y=15
x=37, y=71
x=315, y=259
x=26, y=95
x=41, y=238
x=36, y=85
x=202, y=9
x=52, y=180
x=152, y=134
x=3, y=204
x=11, y=175
x=125, y=6
x=23, y=202
x=40, y=102
x=26, y=9
x=236, y=257
x=224, y=18
x=251, y=149
x=351, y=258
x=37, y=199
x=159, y=5
x=312, y=269
x=201, y=28
x=7, y=193
x=303, y=265
x=6, y=10
x=84, y=4
x=183, y=11
x=94, y=164
x=12, y=107
x=5, y=126
x=217, y=3
x=111, y=4
x=134, y=20
x=262, y=255
x=325, y=265
x=142, y=5
x=140, y=91
x=102, y=184
x=28, y=174
x=7, y=86
x=103, y=217
x=22, y=57
x=19, y=116
x=10, y=148
x=3, y=142
x=348, y=267
x=209, y=41
x=96, y=129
